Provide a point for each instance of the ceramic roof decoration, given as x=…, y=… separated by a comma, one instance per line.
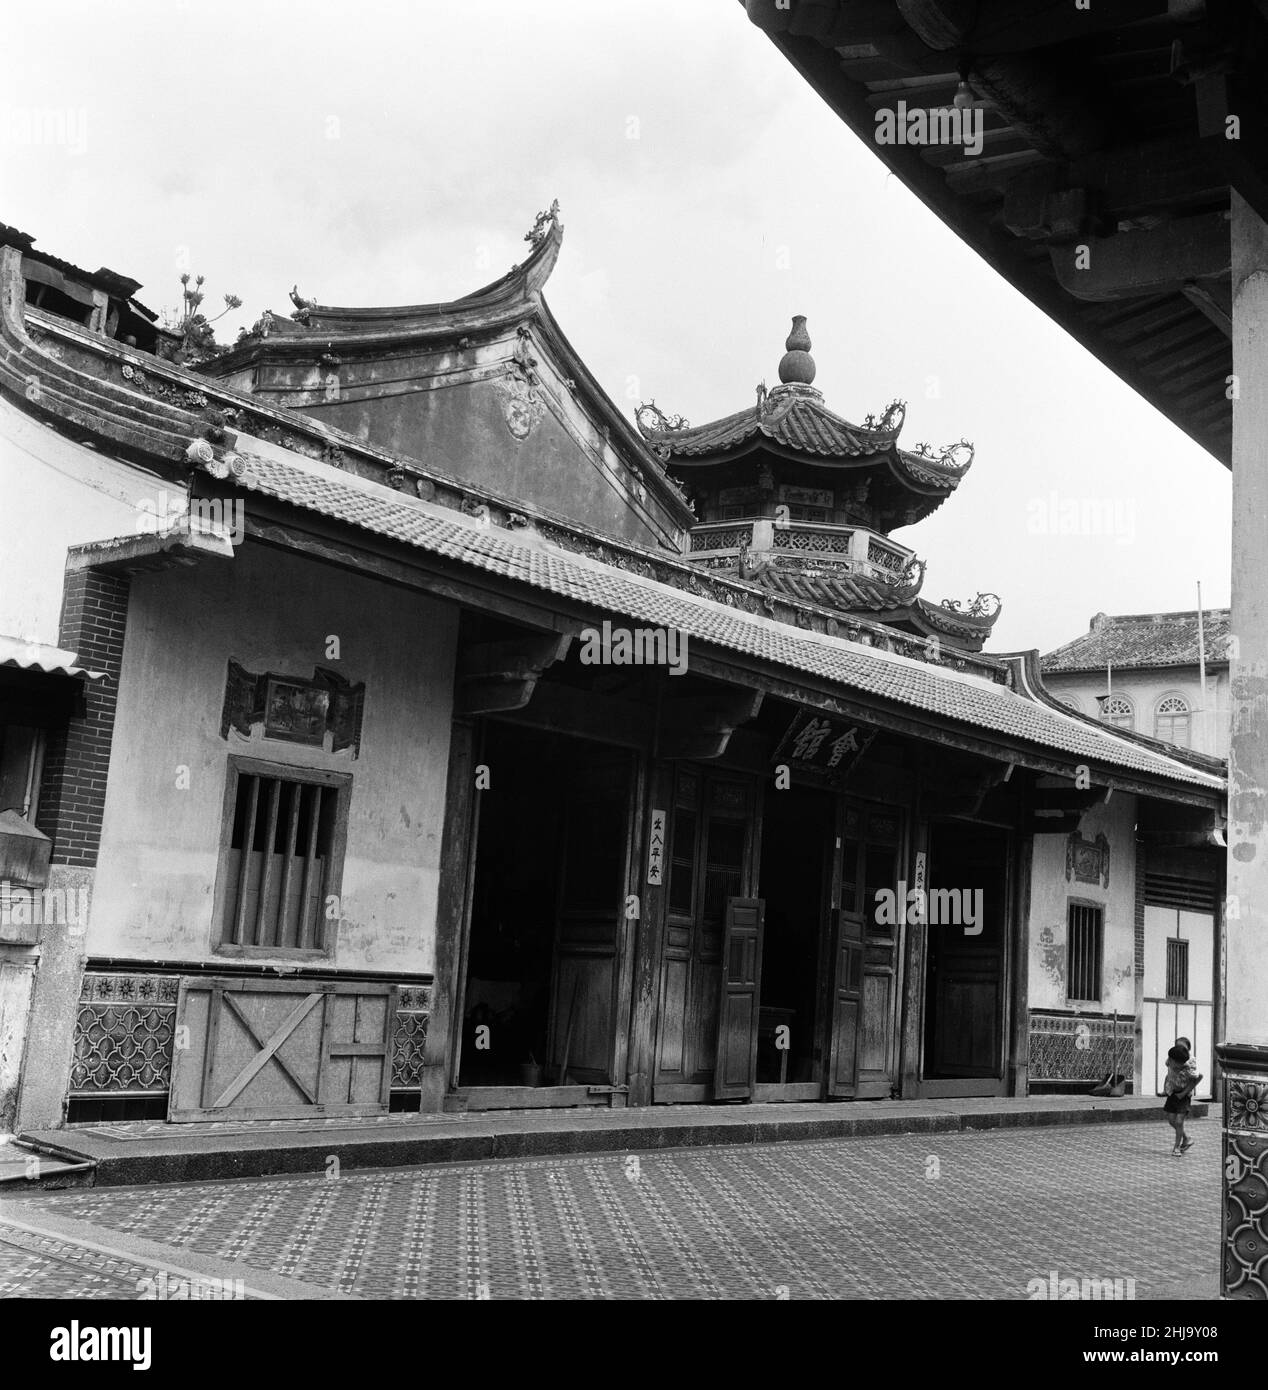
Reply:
x=794, y=496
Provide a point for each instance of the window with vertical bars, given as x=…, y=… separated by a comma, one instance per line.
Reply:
x=281, y=856
x=1084, y=941
x=1177, y=968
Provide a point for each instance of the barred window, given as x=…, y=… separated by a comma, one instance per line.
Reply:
x=1177, y=968
x=1172, y=720
x=1085, y=923
x=281, y=857
x=1117, y=710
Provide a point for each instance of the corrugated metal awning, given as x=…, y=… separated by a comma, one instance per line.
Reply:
x=36, y=656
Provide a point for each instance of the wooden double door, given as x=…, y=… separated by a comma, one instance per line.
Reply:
x=716, y=1003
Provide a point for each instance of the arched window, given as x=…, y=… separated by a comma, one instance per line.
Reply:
x=1117, y=710
x=1171, y=720
x=1071, y=702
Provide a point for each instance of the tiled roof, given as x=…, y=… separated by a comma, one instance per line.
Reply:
x=795, y=418
x=849, y=592
x=949, y=695
x=804, y=424
x=1143, y=640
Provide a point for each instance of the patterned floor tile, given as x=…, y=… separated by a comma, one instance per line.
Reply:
x=949, y=1216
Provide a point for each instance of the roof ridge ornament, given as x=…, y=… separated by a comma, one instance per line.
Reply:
x=660, y=422
x=983, y=606
x=797, y=365
x=891, y=420
x=303, y=307
x=539, y=230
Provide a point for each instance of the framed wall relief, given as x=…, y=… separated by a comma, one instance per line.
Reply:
x=294, y=709
x=1087, y=861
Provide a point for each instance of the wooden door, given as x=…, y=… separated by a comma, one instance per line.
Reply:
x=845, y=1002
x=710, y=844
x=968, y=909
x=736, y=1065
x=590, y=917
x=280, y=1049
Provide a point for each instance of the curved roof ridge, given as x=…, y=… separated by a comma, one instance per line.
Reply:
x=521, y=284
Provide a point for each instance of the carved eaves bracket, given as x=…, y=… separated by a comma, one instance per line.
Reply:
x=1060, y=810
x=700, y=727
x=964, y=795
x=500, y=676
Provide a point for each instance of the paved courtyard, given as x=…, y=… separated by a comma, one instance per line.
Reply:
x=965, y=1216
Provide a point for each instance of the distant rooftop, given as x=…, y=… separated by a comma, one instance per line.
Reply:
x=1142, y=640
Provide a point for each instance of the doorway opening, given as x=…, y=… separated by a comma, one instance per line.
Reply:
x=539, y=1006
x=965, y=961
x=795, y=874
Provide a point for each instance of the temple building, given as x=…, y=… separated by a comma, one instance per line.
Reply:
x=390, y=728
x=794, y=497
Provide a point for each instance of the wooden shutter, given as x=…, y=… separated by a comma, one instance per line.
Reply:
x=845, y=1002
x=736, y=1064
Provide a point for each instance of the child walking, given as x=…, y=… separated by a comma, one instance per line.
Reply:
x=1181, y=1082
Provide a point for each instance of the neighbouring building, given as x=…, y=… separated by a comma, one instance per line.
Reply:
x=1142, y=671
x=412, y=743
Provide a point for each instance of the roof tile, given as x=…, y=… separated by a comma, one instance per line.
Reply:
x=950, y=695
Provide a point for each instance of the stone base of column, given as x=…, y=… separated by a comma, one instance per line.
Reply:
x=1244, y=1227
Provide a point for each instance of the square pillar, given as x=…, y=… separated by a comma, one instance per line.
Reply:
x=1243, y=1055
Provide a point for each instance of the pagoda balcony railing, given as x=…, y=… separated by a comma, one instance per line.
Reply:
x=855, y=548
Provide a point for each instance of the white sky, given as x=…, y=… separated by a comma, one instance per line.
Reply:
x=707, y=196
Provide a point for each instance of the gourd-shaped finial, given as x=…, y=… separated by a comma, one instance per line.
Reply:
x=797, y=365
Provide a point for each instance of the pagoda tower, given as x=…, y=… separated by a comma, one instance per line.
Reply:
x=793, y=497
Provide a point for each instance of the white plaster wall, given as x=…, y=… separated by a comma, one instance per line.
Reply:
x=1050, y=892
x=54, y=493
x=273, y=610
x=1209, y=725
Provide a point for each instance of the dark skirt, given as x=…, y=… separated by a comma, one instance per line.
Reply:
x=1178, y=1105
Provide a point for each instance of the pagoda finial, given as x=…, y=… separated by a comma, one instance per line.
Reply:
x=797, y=365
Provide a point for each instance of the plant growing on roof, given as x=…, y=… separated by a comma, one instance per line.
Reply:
x=197, y=334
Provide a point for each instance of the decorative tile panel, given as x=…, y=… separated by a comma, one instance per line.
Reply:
x=1074, y=1047
x=123, y=1034
x=1245, y=1210
x=410, y=1037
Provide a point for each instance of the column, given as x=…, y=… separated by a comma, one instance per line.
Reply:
x=1244, y=1054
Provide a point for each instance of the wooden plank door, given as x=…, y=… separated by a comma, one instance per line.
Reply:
x=845, y=1002
x=281, y=1049
x=736, y=1065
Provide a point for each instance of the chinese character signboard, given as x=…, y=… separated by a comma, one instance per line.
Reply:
x=656, y=850
x=823, y=745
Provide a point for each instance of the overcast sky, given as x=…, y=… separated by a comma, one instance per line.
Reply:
x=388, y=153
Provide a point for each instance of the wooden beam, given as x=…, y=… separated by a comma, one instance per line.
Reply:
x=1126, y=265
x=562, y=709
